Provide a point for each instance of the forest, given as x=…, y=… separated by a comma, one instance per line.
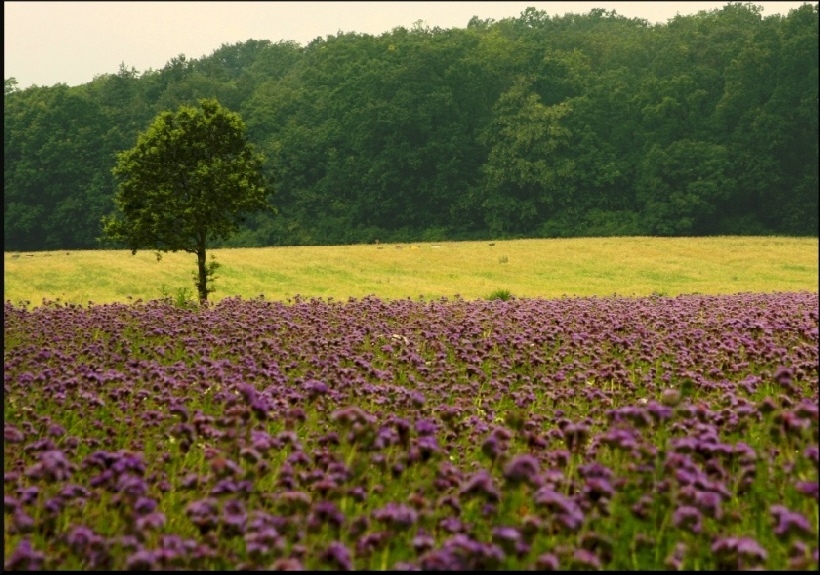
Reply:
x=536, y=126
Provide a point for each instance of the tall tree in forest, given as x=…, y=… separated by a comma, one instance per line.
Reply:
x=190, y=179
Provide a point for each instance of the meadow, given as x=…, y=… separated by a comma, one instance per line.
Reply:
x=448, y=432
x=473, y=270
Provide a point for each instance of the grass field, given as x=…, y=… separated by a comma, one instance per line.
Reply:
x=527, y=268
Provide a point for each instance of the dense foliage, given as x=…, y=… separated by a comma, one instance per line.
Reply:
x=534, y=126
x=574, y=434
x=190, y=179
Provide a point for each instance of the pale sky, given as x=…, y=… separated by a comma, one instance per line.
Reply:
x=46, y=43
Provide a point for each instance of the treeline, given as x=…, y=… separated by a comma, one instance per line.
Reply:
x=535, y=126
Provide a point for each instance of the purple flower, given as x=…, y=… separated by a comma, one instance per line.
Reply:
x=398, y=516
x=688, y=518
x=789, y=522
x=597, y=488
x=141, y=560
x=426, y=427
x=294, y=501
x=480, y=483
x=674, y=561
x=809, y=488
x=585, y=559
x=567, y=513
x=264, y=541
x=423, y=541
x=507, y=538
x=441, y=560
x=315, y=389
x=11, y=434
x=144, y=505
x=25, y=558
x=709, y=503
x=522, y=469
x=452, y=525
x=180, y=411
x=22, y=522
x=53, y=466
x=572, y=522
x=10, y=503
x=547, y=562
x=151, y=521
x=203, y=514
x=492, y=447
x=811, y=453
x=287, y=564
x=427, y=445
x=554, y=501
x=325, y=512
x=738, y=552
x=371, y=542
x=417, y=399
x=351, y=415
x=338, y=555
x=82, y=538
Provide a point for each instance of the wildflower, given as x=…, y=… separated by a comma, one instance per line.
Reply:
x=584, y=559
x=522, y=469
x=709, y=503
x=371, y=542
x=315, y=389
x=506, y=537
x=554, y=501
x=150, y=521
x=287, y=564
x=338, y=555
x=325, y=512
x=25, y=558
x=203, y=514
x=12, y=435
x=811, y=453
x=22, y=522
x=688, y=518
x=427, y=446
x=144, y=505
x=809, y=488
x=423, y=541
x=142, y=560
x=258, y=543
x=674, y=561
x=493, y=448
x=738, y=552
x=547, y=562
x=789, y=522
x=452, y=525
x=597, y=488
x=481, y=483
x=417, y=400
x=398, y=516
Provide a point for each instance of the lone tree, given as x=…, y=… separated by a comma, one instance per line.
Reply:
x=190, y=180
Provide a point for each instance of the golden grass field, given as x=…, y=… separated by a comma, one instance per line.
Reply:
x=546, y=268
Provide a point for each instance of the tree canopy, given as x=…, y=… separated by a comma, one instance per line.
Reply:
x=534, y=126
x=190, y=180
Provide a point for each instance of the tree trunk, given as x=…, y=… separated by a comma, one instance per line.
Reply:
x=202, y=284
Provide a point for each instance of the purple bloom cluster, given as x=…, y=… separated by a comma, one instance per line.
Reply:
x=581, y=433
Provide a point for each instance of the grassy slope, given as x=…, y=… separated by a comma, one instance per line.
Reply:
x=528, y=268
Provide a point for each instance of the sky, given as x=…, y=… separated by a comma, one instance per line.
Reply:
x=47, y=43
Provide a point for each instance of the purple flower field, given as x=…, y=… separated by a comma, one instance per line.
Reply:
x=580, y=433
